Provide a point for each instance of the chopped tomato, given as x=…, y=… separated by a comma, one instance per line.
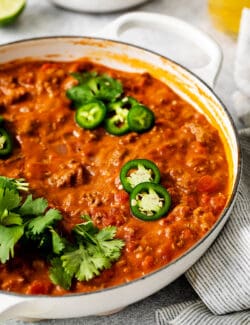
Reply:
x=198, y=147
x=218, y=202
x=205, y=198
x=121, y=197
x=39, y=288
x=207, y=184
x=49, y=65
x=148, y=263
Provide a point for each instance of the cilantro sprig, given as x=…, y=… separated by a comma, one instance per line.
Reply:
x=93, y=251
x=88, y=251
x=92, y=86
x=22, y=219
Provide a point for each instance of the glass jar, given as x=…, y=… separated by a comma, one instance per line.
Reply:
x=226, y=14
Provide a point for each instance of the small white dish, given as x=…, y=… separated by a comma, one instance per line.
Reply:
x=97, y=6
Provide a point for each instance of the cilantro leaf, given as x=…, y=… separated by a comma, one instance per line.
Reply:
x=58, y=243
x=11, y=229
x=98, y=258
x=83, y=77
x=11, y=218
x=6, y=182
x=9, y=199
x=92, y=86
x=111, y=247
x=86, y=230
x=104, y=238
x=58, y=275
x=105, y=87
x=37, y=225
x=80, y=94
x=13, y=184
x=79, y=263
x=96, y=250
x=33, y=207
x=9, y=237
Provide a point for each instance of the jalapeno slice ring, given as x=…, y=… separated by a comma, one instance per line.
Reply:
x=117, y=123
x=6, y=145
x=105, y=88
x=140, y=118
x=138, y=171
x=149, y=201
x=90, y=115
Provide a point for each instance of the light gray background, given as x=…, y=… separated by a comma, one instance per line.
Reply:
x=42, y=19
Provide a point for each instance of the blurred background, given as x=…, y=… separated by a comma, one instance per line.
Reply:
x=219, y=18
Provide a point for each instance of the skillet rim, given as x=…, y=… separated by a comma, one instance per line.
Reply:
x=226, y=211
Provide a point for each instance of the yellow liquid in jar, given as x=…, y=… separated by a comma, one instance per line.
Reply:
x=226, y=14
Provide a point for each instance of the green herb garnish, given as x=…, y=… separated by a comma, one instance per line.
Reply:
x=97, y=99
x=93, y=251
x=29, y=220
x=92, y=86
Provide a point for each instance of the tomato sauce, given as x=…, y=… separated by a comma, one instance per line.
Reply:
x=77, y=170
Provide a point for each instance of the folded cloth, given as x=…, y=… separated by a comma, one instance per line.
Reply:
x=196, y=313
x=221, y=277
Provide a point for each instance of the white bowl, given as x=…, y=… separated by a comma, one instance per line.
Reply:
x=97, y=6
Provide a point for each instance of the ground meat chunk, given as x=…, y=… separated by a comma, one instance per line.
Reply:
x=93, y=199
x=27, y=79
x=13, y=95
x=69, y=82
x=49, y=77
x=2, y=102
x=114, y=217
x=69, y=175
x=201, y=135
x=13, y=91
x=12, y=282
x=28, y=127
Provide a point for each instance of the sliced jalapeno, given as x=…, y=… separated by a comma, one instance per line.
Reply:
x=140, y=118
x=90, y=115
x=105, y=88
x=138, y=171
x=149, y=201
x=5, y=143
x=117, y=122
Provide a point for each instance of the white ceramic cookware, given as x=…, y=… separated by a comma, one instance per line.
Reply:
x=131, y=58
x=97, y=6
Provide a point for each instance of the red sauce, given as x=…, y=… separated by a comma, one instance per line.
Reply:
x=77, y=170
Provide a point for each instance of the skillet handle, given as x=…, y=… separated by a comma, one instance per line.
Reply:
x=207, y=73
x=10, y=306
x=14, y=306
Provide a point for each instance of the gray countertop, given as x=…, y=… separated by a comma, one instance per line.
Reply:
x=42, y=19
